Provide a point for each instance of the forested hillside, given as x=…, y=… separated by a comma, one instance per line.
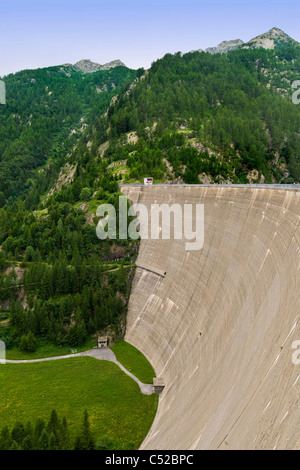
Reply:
x=201, y=117
x=46, y=111
x=66, y=141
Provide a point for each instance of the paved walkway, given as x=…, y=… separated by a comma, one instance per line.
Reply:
x=104, y=354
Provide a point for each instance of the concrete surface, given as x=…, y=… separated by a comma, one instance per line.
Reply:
x=218, y=328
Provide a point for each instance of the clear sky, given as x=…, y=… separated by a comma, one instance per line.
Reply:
x=40, y=33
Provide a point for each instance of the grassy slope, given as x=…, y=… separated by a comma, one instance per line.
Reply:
x=134, y=361
x=114, y=402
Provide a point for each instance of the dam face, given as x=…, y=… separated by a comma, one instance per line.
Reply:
x=220, y=325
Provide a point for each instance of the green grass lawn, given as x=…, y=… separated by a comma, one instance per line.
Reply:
x=47, y=350
x=115, y=405
x=134, y=361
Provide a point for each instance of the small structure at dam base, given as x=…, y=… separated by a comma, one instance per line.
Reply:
x=102, y=342
x=158, y=384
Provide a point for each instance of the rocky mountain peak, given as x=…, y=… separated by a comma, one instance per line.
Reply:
x=225, y=46
x=87, y=66
x=270, y=40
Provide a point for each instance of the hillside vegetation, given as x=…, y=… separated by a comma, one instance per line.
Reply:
x=68, y=139
x=59, y=284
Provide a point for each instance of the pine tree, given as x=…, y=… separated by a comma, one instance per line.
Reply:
x=53, y=442
x=43, y=442
x=85, y=440
x=5, y=439
x=64, y=435
x=27, y=443
x=38, y=429
x=16, y=313
x=18, y=433
x=14, y=446
x=53, y=424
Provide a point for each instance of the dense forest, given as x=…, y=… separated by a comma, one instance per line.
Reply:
x=67, y=139
x=59, y=283
x=46, y=111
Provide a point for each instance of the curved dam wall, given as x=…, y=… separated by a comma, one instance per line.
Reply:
x=219, y=326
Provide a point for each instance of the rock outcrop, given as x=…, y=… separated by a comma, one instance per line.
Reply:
x=225, y=46
x=270, y=40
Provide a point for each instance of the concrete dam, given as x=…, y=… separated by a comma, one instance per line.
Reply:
x=220, y=324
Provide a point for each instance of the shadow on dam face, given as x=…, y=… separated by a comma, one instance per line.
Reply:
x=220, y=324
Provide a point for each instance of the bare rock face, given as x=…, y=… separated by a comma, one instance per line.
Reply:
x=87, y=66
x=270, y=40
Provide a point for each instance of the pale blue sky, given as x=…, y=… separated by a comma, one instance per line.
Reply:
x=40, y=33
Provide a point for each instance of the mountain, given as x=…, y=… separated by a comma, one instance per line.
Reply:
x=202, y=117
x=87, y=66
x=68, y=138
x=270, y=40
